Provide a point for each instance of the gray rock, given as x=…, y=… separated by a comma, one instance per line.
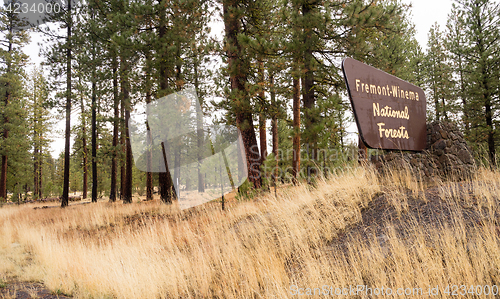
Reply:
x=447, y=153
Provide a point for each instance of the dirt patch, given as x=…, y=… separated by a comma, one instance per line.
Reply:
x=27, y=290
x=436, y=207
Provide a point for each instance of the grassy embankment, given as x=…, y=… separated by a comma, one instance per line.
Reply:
x=353, y=229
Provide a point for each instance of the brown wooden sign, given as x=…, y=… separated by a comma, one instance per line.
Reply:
x=389, y=112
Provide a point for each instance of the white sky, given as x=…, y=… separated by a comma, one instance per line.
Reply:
x=424, y=14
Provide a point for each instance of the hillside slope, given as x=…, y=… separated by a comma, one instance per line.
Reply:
x=355, y=232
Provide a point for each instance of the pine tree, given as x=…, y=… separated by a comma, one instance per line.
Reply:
x=39, y=95
x=439, y=80
x=60, y=56
x=482, y=31
x=13, y=61
x=455, y=42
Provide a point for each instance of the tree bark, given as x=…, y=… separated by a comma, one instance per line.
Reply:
x=3, y=170
x=262, y=116
x=122, y=142
x=164, y=178
x=127, y=186
x=40, y=164
x=486, y=94
x=199, y=129
x=94, y=139
x=177, y=153
x=238, y=71
x=127, y=196
x=274, y=127
x=65, y=194
x=35, y=141
x=465, y=109
x=35, y=167
x=116, y=117
x=296, y=129
x=309, y=99
x=85, y=151
x=149, y=174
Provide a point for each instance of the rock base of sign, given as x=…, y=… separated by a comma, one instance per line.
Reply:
x=447, y=155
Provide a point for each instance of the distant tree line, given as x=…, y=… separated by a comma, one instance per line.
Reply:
x=462, y=73
x=277, y=62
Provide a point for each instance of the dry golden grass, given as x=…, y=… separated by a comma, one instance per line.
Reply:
x=307, y=237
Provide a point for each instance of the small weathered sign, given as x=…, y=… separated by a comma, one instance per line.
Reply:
x=389, y=112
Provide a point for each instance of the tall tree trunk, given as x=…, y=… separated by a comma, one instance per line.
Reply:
x=296, y=127
x=116, y=117
x=199, y=128
x=85, y=151
x=127, y=186
x=149, y=174
x=262, y=116
x=309, y=99
x=127, y=196
x=486, y=94
x=489, y=120
x=465, y=109
x=94, y=138
x=274, y=127
x=238, y=68
x=164, y=178
x=35, y=141
x=35, y=167
x=177, y=153
x=3, y=170
x=65, y=194
x=122, y=142
x=40, y=164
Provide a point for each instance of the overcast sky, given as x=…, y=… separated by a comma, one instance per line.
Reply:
x=424, y=14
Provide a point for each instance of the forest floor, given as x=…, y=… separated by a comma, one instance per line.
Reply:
x=352, y=229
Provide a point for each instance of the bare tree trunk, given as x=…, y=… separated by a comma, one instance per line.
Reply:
x=465, y=110
x=489, y=123
x=116, y=116
x=274, y=127
x=122, y=143
x=3, y=171
x=65, y=194
x=40, y=164
x=166, y=192
x=309, y=98
x=35, y=168
x=177, y=152
x=238, y=67
x=262, y=117
x=296, y=129
x=94, y=139
x=164, y=178
x=487, y=95
x=263, y=136
x=85, y=151
x=35, y=141
x=149, y=175
x=127, y=196
x=127, y=186
x=199, y=129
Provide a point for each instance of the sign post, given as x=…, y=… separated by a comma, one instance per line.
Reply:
x=390, y=113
